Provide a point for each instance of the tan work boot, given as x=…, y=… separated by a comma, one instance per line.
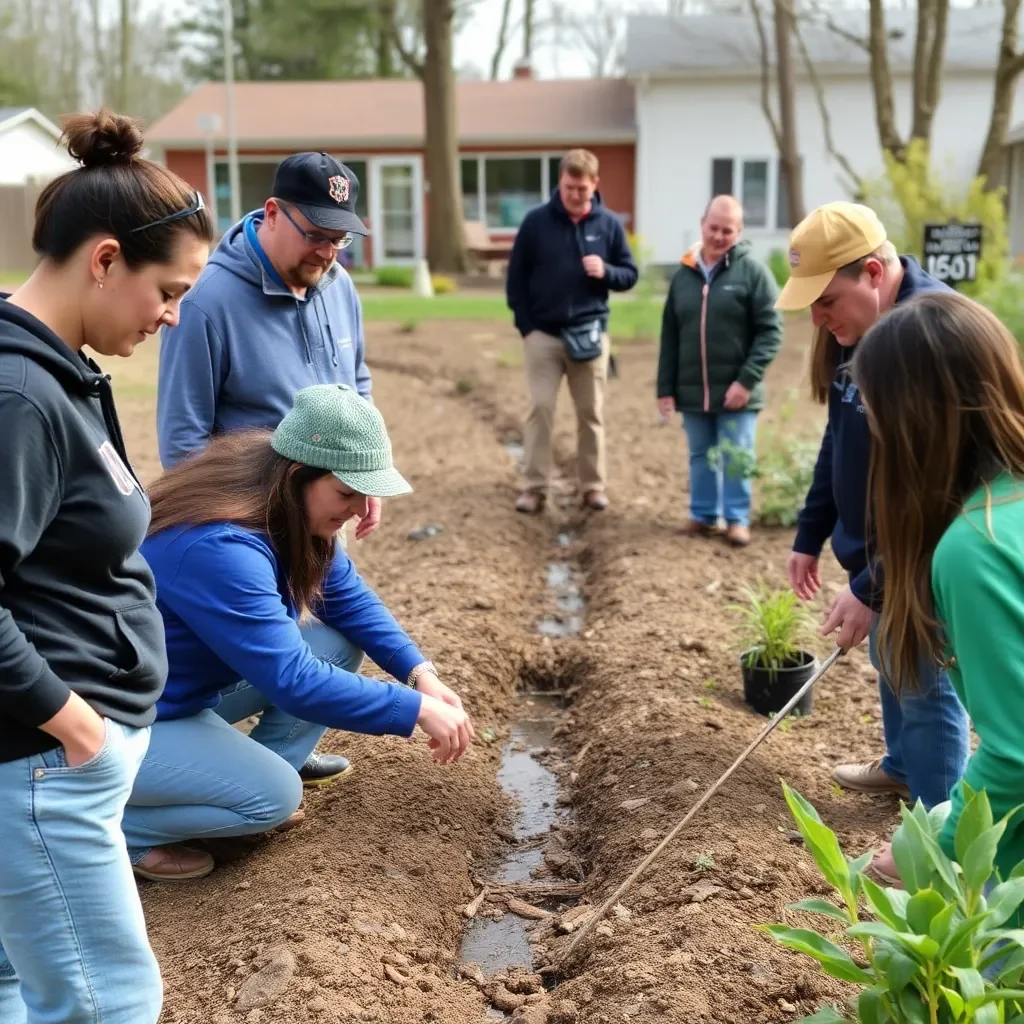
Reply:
x=530, y=502
x=698, y=528
x=174, y=863
x=738, y=536
x=868, y=777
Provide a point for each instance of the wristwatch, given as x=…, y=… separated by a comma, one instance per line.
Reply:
x=414, y=675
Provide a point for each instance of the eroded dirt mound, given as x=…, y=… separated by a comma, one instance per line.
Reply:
x=356, y=915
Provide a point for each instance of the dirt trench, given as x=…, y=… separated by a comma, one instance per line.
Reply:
x=358, y=914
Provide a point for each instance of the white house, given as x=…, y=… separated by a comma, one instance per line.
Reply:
x=701, y=128
x=28, y=147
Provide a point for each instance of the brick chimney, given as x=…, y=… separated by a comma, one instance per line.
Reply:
x=522, y=70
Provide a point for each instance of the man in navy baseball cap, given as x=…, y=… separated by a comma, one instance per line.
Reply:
x=272, y=313
x=323, y=189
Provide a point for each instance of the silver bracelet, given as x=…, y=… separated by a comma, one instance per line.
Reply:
x=414, y=675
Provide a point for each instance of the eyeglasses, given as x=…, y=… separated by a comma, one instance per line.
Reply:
x=315, y=238
x=191, y=210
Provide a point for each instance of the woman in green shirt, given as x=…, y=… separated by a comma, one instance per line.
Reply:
x=943, y=387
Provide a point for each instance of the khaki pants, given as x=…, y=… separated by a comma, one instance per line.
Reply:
x=547, y=361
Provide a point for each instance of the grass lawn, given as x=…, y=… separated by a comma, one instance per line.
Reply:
x=629, y=317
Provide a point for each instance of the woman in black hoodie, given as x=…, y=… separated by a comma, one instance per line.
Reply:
x=82, y=658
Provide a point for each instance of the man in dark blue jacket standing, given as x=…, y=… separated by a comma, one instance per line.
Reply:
x=568, y=255
x=847, y=272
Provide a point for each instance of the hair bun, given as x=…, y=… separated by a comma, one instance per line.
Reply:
x=102, y=138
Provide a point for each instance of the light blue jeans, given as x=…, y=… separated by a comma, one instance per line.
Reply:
x=204, y=779
x=927, y=732
x=716, y=492
x=73, y=945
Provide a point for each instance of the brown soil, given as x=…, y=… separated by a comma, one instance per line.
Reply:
x=356, y=914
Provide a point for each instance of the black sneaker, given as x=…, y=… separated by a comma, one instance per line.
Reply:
x=323, y=769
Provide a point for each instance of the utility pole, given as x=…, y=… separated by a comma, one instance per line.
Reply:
x=229, y=104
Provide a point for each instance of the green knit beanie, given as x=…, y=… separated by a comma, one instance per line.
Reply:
x=330, y=426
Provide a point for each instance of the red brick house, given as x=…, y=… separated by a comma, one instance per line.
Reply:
x=511, y=136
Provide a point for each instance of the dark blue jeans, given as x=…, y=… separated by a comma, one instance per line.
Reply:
x=927, y=733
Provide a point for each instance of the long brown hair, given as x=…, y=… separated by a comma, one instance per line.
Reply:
x=943, y=388
x=238, y=478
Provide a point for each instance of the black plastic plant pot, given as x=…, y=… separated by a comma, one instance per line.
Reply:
x=768, y=692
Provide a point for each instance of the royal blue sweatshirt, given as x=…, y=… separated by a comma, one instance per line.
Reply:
x=546, y=286
x=245, y=344
x=228, y=616
x=837, y=501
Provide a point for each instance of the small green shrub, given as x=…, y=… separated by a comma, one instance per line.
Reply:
x=774, y=623
x=705, y=861
x=393, y=277
x=783, y=470
x=442, y=285
x=911, y=194
x=936, y=952
x=408, y=326
x=1006, y=299
x=778, y=264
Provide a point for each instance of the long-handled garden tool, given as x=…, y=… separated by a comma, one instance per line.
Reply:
x=649, y=859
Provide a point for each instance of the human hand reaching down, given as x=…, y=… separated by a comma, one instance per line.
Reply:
x=448, y=727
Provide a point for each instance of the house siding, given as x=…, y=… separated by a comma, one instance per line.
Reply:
x=617, y=173
x=27, y=152
x=682, y=125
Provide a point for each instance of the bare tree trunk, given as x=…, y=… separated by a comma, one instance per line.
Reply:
x=125, y=38
x=385, y=35
x=991, y=166
x=528, y=10
x=929, y=58
x=499, y=46
x=789, y=149
x=881, y=82
x=446, y=248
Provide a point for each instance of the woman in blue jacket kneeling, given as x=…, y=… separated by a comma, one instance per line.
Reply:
x=243, y=546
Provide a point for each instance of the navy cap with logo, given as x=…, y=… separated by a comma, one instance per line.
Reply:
x=322, y=188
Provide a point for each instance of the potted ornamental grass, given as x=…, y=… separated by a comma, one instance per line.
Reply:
x=777, y=629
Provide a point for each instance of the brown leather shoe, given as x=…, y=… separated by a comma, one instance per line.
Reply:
x=174, y=863
x=530, y=502
x=293, y=820
x=738, y=536
x=868, y=777
x=698, y=528
x=597, y=500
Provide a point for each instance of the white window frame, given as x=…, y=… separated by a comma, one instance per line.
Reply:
x=415, y=160
x=546, y=185
x=772, y=196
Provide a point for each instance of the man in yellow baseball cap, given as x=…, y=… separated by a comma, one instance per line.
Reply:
x=847, y=272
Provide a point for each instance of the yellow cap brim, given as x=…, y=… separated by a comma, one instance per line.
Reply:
x=800, y=292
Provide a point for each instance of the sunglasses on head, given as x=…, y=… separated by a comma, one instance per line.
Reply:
x=191, y=210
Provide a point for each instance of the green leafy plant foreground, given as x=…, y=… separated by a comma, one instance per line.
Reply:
x=946, y=949
x=774, y=623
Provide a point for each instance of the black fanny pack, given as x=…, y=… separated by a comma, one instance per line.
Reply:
x=583, y=341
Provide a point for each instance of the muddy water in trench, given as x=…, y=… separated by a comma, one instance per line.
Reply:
x=497, y=945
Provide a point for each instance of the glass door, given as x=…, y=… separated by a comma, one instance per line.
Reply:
x=397, y=201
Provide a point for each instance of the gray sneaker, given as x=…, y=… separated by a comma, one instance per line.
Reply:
x=868, y=777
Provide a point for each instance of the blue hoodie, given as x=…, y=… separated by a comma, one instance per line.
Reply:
x=246, y=343
x=228, y=616
x=837, y=501
x=547, y=288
